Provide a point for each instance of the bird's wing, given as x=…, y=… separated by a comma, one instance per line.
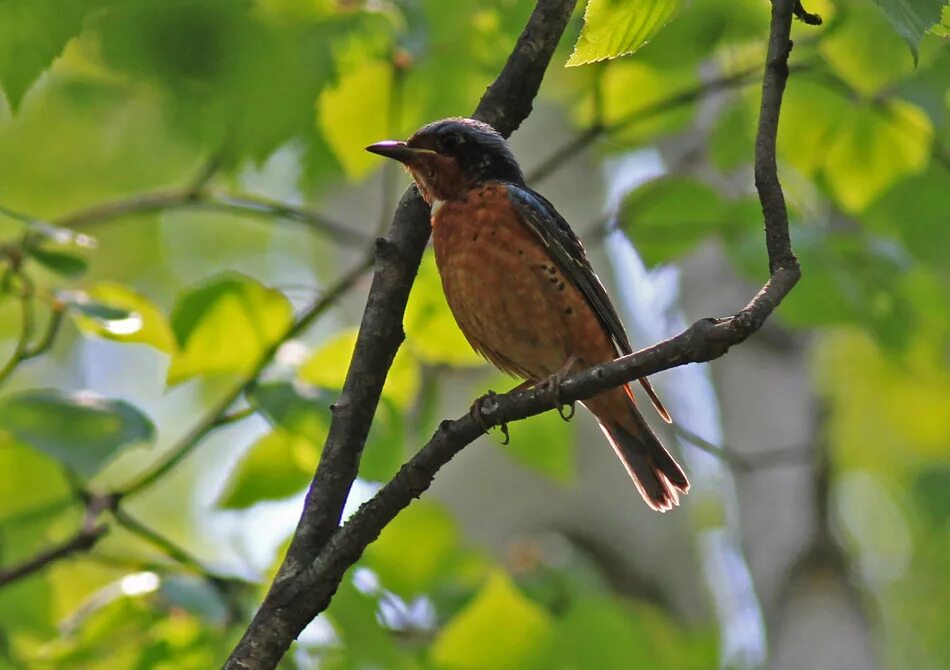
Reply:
x=567, y=251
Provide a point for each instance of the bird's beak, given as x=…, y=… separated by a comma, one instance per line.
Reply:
x=399, y=151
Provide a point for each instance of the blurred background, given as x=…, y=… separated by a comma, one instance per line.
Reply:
x=178, y=180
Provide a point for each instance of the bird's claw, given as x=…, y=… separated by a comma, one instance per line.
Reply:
x=484, y=403
x=552, y=388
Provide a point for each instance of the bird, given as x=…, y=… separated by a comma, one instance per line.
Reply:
x=521, y=288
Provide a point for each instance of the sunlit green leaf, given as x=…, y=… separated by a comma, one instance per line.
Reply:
x=352, y=114
x=432, y=334
x=136, y=319
x=884, y=402
x=811, y=114
x=864, y=50
x=225, y=325
x=413, y=552
x=873, y=148
x=632, y=118
x=278, y=465
x=328, y=365
x=82, y=431
x=911, y=18
x=517, y=628
x=615, y=27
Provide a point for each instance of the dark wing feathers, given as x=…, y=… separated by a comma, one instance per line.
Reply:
x=568, y=252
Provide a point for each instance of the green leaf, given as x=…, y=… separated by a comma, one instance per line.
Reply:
x=278, y=465
x=811, y=114
x=351, y=115
x=221, y=66
x=632, y=118
x=873, y=149
x=544, y=443
x=383, y=453
x=226, y=325
x=668, y=216
x=195, y=595
x=32, y=34
x=915, y=212
x=912, y=18
x=414, y=552
x=851, y=280
x=366, y=644
x=301, y=409
x=865, y=52
x=61, y=262
x=432, y=333
x=118, y=313
x=80, y=430
x=616, y=27
x=327, y=368
x=517, y=628
x=732, y=141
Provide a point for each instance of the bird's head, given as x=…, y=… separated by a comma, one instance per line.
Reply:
x=449, y=157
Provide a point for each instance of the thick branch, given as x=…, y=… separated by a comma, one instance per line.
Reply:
x=705, y=340
x=506, y=103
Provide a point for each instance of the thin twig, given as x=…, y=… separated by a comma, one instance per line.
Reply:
x=235, y=416
x=177, y=198
x=796, y=454
x=82, y=540
x=21, y=350
x=806, y=17
x=53, y=324
x=178, y=554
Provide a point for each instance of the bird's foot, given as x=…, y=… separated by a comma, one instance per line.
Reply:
x=488, y=403
x=551, y=387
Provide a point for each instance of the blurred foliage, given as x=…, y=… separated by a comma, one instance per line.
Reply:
x=148, y=110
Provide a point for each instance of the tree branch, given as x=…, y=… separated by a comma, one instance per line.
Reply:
x=283, y=615
x=506, y=103
x=82, y=540
x=187, y=198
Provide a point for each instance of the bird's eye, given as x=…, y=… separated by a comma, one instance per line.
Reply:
x=450, y=143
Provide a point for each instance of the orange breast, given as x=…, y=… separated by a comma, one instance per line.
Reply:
x=508, y=296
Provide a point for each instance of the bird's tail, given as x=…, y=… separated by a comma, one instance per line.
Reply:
x=658, y=477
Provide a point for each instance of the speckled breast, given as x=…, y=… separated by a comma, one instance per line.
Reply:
x=509, y=298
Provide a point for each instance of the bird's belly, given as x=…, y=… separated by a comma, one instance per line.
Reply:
x=507, y=295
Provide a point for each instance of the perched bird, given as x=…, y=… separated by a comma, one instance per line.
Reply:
x=520, y=286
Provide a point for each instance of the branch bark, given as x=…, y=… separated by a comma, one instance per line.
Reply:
x=506, y=103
